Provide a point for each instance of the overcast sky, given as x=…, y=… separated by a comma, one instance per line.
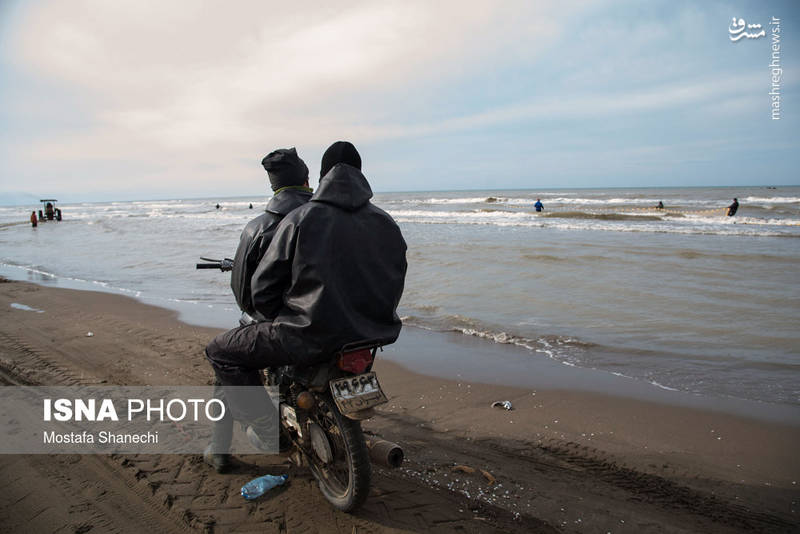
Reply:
x=111, y=100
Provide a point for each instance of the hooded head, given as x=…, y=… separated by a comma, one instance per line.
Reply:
x=339, y=152
x=285, y=168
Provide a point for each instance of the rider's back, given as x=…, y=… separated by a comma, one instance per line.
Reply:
x=255, y=240
x=334, y=272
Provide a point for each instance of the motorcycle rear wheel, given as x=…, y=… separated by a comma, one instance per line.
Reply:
x=345, y=480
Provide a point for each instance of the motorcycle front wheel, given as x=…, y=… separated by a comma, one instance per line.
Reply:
x=339, y=458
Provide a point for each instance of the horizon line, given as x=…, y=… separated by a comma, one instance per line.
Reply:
x=156, y=199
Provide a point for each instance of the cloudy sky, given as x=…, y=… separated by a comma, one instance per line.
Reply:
x=107, y=100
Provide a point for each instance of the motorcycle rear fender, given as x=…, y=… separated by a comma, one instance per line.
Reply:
x=317, y=377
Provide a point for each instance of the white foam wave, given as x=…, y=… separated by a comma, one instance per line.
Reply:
x=566, y=202
x=662, y=386
x=105, y=285
x=691, y=225
x=635, y=201
x=562, y=350
x=461, y=215
x=771, y=200
x=463, y=200
x=651, y=382
x=24, y=307
x=757, y=221
x=499, y=337
x=649, y=202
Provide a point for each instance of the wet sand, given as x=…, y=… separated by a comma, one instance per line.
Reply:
x=579, y=459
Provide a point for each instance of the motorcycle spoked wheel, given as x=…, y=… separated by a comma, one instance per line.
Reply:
x=345, y=479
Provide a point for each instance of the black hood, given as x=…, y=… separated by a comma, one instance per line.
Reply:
x=339, y=152
x=288, y=199
x=344, y=187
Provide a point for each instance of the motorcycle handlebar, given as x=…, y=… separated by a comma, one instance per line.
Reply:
x=222, y=265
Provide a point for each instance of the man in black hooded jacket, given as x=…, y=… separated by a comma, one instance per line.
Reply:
x=288, y=177
x=336, y=267
x=333, y=274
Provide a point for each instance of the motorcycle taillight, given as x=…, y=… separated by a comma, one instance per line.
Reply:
x=355, y=362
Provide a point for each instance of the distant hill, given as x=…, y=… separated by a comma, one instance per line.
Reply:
x=18, y=198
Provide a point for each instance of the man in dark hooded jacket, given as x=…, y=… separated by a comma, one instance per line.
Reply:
x=333, y=274
x=336, y=267
x=288, y=177
x=732, y=208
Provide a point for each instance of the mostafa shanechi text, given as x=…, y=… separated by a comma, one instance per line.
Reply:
x=776, y=71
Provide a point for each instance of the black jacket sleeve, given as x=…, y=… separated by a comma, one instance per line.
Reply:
x=244, y=262
x=273, y=275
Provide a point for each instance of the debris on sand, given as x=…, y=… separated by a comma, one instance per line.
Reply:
x=488, y=476
x=463, y=469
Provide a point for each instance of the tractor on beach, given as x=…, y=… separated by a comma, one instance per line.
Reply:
x=49, y=211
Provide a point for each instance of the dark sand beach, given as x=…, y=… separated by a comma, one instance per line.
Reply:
x=564, y=460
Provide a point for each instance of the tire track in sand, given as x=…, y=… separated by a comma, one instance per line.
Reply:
x=170, y=493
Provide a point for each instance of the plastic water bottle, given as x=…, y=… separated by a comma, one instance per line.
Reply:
x=259, y=486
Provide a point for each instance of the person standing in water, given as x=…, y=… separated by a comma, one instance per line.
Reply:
x=34, y=220
x=539, y=206
x=733, y=207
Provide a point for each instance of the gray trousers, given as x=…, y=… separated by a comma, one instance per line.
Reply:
x=237, y=357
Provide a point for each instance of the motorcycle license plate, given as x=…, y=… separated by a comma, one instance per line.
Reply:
x=356, y=393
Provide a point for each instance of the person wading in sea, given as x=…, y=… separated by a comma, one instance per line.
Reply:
x=733, y=208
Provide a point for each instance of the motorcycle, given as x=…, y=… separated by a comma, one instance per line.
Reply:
x=321, y=408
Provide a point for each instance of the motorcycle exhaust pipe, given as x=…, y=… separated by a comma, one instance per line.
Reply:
x=385, y=453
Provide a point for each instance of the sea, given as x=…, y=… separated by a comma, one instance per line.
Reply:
x=682, y=298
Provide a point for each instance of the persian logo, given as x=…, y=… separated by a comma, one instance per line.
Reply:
x=737, y=30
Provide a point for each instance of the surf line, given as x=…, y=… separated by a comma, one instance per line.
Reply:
x=648, y=210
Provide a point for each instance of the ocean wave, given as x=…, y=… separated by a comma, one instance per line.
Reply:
x=565, y=350
x=532, y=199
x=604, y=201
x=487, y=215
x=600, y=216
x=771, y=200
x=529, y=201
x=651, y=382
x=684, y=225
x=462, y=200
x=737, y=256
x=757, y=221
x=55, y=277
x=543, y=257
x=610, y=203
